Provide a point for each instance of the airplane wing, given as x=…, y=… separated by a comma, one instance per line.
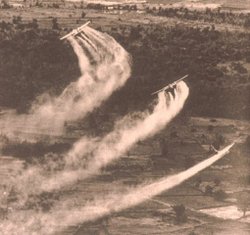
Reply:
x=218, y=151
x=75, y=31
x=83, y=26
x=180, y=79
x=66, y=36
x=163, y=89
x=170, y=85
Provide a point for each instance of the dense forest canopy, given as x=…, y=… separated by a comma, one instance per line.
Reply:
x=34, y=61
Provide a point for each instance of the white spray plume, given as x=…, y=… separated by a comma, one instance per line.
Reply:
x=109, y=71
x=88, y=156
x=64, y=215
x=115, y=144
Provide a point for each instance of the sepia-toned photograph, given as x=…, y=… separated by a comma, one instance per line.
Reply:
x=124, y=117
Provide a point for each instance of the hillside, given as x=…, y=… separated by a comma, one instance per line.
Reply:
x=217, y=61
x=44, y=156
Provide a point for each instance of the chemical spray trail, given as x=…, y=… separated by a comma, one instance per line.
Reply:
x=65, y=214
x=95, y=85
x=88, y=156
x=102, y=74
x=125, y=135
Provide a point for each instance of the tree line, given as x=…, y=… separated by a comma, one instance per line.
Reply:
x=208, y=15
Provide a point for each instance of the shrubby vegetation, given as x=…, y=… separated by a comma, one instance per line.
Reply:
x=43, y=202
x=29, y=151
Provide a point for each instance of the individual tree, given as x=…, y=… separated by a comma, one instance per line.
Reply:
x=83, y=14
x=5, y=5
x=55, y=23
x=247, y=143
x=208, y=190
x=219, y=141
x=55, y=5
x=247, y=23
x=220, y=195
x=244, y=202
x=34, y=24
x=180, y=213
x=16, y=19
x=82, y=5
x=164, y=148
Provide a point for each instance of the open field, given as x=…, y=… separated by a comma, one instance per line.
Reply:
x=151, y=165
x=145, y=163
